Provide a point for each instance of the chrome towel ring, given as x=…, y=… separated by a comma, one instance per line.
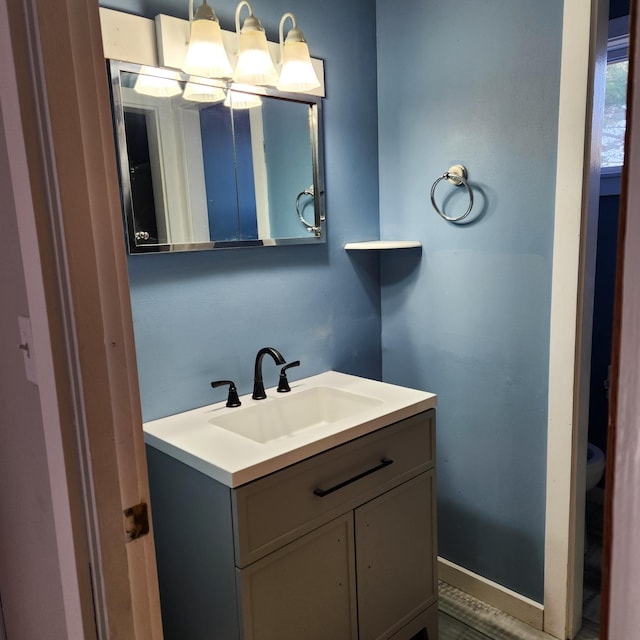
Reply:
x=309, y=191
x=457, y=176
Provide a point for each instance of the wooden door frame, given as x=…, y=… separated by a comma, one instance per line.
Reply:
x=620, y=615
x=55, y=109
x=573, y=278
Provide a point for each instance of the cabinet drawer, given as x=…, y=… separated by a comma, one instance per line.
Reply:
x=278, y=508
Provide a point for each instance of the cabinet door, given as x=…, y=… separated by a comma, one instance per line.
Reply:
x=304, y=590
x=395, y=557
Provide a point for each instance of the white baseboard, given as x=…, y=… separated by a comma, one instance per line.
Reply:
x=512, y=603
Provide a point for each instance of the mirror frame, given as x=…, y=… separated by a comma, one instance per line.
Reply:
x=316, y=236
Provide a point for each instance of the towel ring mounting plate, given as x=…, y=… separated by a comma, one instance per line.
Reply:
x=457, y=176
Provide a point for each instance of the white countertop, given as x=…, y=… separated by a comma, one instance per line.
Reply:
x=234, y=460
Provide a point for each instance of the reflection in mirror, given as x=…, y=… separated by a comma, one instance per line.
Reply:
x=204, y=165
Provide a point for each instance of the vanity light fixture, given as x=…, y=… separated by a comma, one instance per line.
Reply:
x=206, y=55
x=296, y=70
x=160, y=83
x=254, y=65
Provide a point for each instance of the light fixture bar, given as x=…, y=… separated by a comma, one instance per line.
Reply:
x=163, y=41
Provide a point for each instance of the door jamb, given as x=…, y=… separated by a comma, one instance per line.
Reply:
x=575, y=231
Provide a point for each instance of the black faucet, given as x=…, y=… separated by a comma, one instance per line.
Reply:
x=232, y=398
x=258, y=385
x=283, y=383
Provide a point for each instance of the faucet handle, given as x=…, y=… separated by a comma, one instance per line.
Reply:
x=283, y=383
x=232, y=398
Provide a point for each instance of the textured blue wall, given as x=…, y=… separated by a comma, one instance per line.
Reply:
x=475, y=83
x=468, y=318
x=202, y=316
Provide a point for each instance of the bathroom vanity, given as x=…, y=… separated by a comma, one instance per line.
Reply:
x=324, y=532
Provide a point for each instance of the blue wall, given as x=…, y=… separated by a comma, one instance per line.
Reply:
x=467, y=318
x=475, y=83
x=618, y=8
x=202, y=316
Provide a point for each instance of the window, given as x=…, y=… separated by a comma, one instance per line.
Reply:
x=615, y=114
x=615, y=105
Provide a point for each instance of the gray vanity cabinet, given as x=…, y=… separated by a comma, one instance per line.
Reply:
x=273, y=560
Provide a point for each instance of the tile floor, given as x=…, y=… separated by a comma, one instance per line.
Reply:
x=462, y=617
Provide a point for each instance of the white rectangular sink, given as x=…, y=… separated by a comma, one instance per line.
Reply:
x=240, y=444
x=289, y=414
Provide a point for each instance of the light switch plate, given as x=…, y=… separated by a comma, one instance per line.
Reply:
x=28, y=352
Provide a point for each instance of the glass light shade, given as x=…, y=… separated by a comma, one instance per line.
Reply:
x=297, y=72
x=254, y=65
x=199, y=92
x=241, y=100
x=206, y=55
x=158, y=83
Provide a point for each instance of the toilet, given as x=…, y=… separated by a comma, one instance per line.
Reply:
x=595, y=465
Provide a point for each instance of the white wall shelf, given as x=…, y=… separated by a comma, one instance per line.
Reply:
x=382, y=244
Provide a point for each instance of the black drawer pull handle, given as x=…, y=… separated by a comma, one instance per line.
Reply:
x=385, y=462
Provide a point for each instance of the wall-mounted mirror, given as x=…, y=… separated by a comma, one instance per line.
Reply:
x=206, y=166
